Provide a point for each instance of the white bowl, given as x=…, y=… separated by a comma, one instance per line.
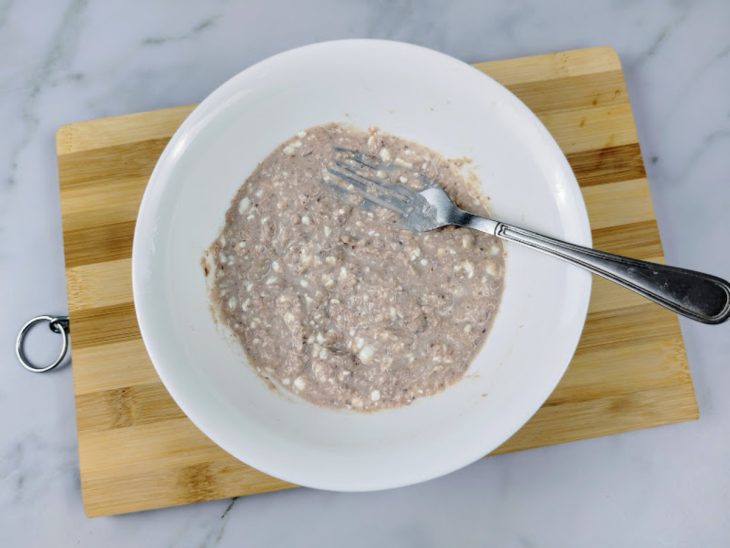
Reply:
x=423, y=96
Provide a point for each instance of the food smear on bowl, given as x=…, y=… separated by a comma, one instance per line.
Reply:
x=339, y=303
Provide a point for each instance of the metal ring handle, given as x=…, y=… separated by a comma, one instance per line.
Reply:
x=57, y=324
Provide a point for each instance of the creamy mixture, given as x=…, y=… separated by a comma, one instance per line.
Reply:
x=340, y=303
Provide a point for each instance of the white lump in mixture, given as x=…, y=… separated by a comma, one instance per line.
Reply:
x=340, y=303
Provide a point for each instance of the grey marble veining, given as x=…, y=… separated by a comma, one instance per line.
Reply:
x=70, y=60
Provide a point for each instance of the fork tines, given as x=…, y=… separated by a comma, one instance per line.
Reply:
x=357, y=174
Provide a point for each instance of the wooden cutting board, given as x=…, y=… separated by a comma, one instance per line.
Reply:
x=136, y=448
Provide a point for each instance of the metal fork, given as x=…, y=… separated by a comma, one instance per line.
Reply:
x=698, y=296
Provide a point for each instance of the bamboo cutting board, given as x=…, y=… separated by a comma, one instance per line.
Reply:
x=136, y=448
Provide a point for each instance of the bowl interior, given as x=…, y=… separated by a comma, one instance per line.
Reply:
x=423, y=96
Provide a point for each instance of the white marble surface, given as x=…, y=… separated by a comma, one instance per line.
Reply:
x=62, y=61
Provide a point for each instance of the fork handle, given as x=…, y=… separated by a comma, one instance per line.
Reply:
x=699, y=296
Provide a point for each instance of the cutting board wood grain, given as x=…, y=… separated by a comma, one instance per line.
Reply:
x=138, y=451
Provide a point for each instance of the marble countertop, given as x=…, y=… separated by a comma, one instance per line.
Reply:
x=70, y=60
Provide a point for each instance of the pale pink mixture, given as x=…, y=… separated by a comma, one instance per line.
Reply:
x=341, y=304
